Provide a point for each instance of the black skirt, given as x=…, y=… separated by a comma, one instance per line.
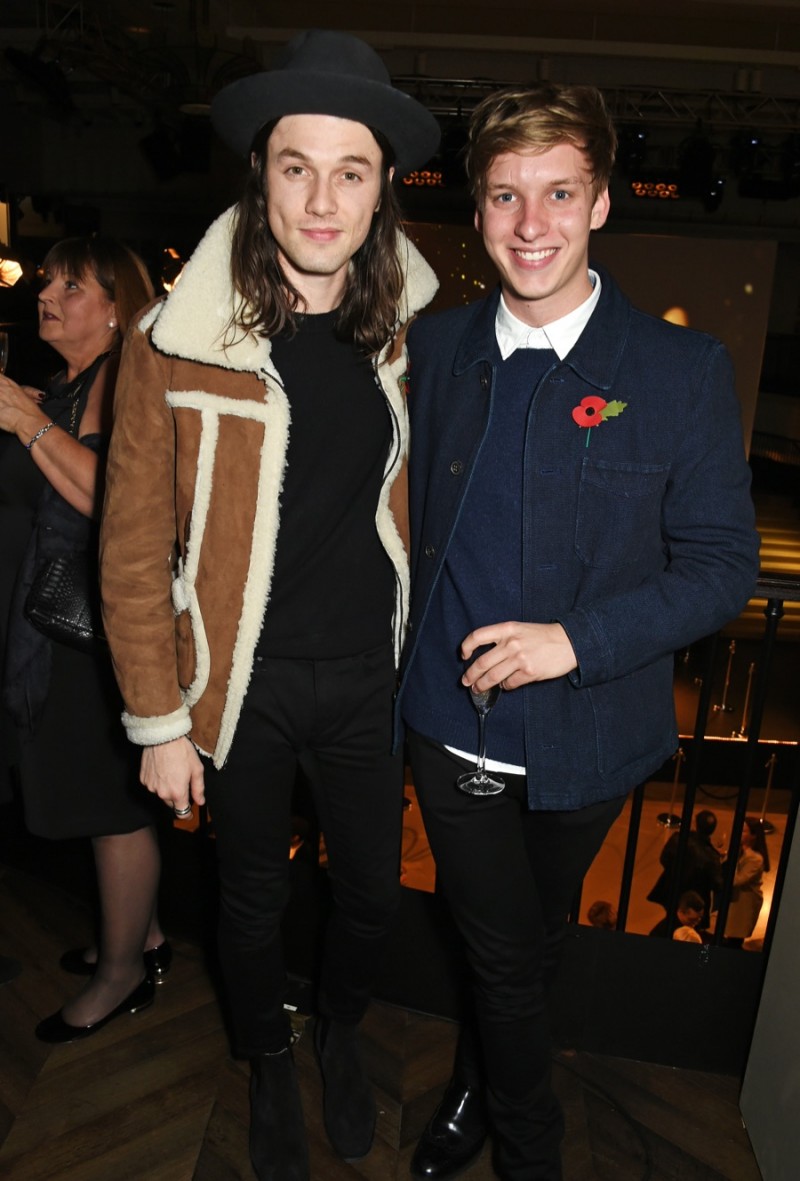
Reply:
x=79, y=772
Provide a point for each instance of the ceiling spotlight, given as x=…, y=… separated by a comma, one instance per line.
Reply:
x=10, y=272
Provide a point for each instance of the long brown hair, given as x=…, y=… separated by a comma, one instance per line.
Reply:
x=121, y=273
x=268, y=302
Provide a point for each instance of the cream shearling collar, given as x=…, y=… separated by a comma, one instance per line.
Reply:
x=192, y=321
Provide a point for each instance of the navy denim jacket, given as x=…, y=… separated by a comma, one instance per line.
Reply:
x=638, y=536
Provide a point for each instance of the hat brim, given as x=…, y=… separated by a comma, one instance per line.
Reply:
x=240, y=110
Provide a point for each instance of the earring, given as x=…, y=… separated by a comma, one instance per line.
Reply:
x=112, y=323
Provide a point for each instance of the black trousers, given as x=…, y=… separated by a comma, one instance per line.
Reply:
x=509, y=876
x=333, y=719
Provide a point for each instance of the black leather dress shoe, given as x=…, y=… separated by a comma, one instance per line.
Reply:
x=55, y=1029
x=157, y=961
x=454, y=1137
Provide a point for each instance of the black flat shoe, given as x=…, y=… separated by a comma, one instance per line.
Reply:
x=157, y=961
x=55, y=1029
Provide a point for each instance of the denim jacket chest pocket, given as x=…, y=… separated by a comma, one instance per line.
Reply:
x=618, y=519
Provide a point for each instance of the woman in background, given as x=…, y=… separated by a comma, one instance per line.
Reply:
x=78, y=774
x=747, y=895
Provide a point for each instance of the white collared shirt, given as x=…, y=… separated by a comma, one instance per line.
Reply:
x=560, y=335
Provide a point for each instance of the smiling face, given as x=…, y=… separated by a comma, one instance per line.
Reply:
x=323, y=183
x=536, y=217
x=74, y=316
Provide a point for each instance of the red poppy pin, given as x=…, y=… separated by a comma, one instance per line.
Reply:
x=593, y=410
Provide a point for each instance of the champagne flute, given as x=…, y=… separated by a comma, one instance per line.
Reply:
x=479, y=782
x=3, y=351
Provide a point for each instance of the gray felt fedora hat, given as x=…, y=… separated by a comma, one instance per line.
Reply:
x=327, y=73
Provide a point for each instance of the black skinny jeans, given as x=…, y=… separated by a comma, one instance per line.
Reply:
x=509, y=876
x=333, y=719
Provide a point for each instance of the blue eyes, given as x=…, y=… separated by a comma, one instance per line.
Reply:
x=559, y=195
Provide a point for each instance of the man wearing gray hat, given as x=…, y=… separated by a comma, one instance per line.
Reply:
x=254, y=564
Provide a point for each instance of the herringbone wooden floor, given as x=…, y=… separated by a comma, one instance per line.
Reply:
x=156, y=1097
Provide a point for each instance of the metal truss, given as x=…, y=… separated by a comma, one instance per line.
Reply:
x=454, y=98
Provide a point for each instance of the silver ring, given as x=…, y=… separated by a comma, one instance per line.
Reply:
x=182, y=812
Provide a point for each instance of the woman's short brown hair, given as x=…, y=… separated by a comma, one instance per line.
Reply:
x=531, y=119
x=121, y=273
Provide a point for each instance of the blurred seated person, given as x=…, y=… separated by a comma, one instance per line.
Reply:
x=602, y=914
x=686, y=934
x=689, y=914
x=78, y=773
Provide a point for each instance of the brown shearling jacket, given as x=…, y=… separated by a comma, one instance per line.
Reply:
x=191, y=513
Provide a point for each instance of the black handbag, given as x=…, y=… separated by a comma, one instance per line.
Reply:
x=64, y=602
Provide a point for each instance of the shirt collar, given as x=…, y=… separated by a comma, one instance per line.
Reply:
x=560, y=335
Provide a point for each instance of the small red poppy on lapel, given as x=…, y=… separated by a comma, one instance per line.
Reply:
x=590, y=411
x=593, y=410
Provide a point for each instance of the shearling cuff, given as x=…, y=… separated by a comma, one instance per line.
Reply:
x=158, y=730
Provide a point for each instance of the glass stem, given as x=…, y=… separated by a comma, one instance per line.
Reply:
x=481, y=768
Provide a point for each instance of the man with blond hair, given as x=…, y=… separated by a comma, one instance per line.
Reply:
x=580, y=509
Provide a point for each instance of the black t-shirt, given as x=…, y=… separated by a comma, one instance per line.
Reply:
x=333, y=584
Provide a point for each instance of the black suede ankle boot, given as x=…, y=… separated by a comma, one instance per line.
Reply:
x=278, y=1143
x=349, y=1104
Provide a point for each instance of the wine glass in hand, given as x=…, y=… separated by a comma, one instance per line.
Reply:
x=478, y=782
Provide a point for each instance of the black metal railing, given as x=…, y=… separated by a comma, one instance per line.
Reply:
x=777, y=589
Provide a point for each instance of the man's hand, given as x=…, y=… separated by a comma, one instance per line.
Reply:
x=174, y=772
x=522, y=653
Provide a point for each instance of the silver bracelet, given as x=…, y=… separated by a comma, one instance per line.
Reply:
x=41, y=431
